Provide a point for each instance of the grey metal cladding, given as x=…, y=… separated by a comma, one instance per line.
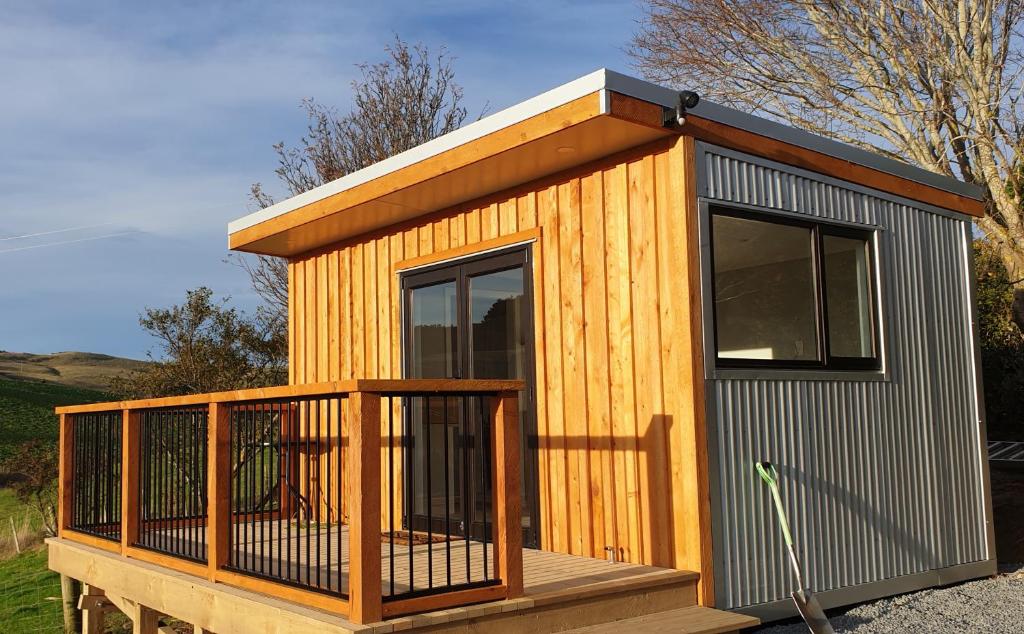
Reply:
x=881, y=478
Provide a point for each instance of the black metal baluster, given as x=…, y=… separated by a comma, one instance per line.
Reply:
x=327, y=494
x=250, y=543
x=485, y=450
x=467, y=524
x=391, y=492
x=281, y=490
x=236, y=484
x=341, y=489
x=307, y=482
x=292, y=422
x=179, y=485
x=410, y=460
x=447, y=500
x=261, y=431
x=199, y=481
x=319, y=475
x=430, y=500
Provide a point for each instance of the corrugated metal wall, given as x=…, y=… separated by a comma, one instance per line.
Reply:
x=881, y=477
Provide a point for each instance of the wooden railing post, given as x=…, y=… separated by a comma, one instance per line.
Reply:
x=131, y=421
x=365, y=604
x=218, y=482
x=65, y=485
x=508, y=529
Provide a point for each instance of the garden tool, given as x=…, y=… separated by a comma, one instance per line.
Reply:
x=805, y=600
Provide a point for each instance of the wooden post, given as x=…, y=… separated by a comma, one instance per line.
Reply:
x=65, y=469
x=131, y=422
x=365, y=605
x=94, y=606
x=508, y=529
x=14, y=536
x=69, y=600
x=218, y=481
x=144, y=620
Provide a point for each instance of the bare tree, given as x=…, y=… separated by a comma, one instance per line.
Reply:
x=398, y=104
x=933, y=82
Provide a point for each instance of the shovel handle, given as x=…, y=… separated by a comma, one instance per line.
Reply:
x=770, y=476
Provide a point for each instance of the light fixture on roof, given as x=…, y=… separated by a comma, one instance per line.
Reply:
x=677, y=117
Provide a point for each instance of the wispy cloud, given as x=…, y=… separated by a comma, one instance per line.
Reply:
x=47, y=233
x=130, y=133
x=62, y=242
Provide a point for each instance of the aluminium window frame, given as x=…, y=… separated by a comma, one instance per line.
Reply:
x=825, y=361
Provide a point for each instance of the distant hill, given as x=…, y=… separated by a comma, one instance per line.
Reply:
x=75, y=369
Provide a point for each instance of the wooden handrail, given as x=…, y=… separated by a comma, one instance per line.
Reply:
x=365, y=603
x=436, y=386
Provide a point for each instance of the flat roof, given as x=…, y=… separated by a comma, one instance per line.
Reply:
x=604, y=82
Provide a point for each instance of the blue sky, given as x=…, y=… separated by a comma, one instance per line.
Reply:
x=131, y=132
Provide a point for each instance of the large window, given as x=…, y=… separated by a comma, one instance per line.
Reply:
x=792, y=294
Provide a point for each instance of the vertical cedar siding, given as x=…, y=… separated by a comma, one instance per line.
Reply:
x=616, y=416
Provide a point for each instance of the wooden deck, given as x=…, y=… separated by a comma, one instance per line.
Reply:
x=543, y=572
x=562, y=592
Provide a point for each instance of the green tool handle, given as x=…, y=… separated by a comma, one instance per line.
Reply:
x=768, y=473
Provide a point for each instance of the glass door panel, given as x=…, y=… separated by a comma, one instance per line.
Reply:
x=434, y=350
x=468, y=320
x=498, y=350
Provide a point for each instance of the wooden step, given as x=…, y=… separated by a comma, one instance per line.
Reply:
x=690, y=620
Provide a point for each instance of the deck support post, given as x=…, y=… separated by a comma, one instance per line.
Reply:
x=69, y=600
x=94, y=606
x=218, y=482
x=508, y=531
x=131, y=423
x=365, y=603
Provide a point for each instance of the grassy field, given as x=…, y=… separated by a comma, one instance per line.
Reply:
x=26, y=410
x=29, y=592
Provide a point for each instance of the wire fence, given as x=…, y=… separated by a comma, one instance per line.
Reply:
x=30, y=600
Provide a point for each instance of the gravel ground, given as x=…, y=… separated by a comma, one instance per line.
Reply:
x=987, y=605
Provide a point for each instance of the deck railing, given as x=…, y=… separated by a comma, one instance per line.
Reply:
x=370, y=498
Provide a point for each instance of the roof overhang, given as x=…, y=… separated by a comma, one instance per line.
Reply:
x=589, y=118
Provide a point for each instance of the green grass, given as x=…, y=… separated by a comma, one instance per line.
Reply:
x=29, y=592
x=29, y=595
x=26, y=410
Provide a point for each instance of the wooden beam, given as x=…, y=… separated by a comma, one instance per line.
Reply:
x=508, y=531
x=306, y=389
x=432, y=602
x=218, y=481
x=167, y=561
x=756, y=144
x=308, y=598
x=130, y=426
x=364, y=514
x=469, y=249
x=691, y=212
x=92, y=540
x=144, y=620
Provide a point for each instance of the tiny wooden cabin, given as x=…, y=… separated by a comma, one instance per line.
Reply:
x=656, y=298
